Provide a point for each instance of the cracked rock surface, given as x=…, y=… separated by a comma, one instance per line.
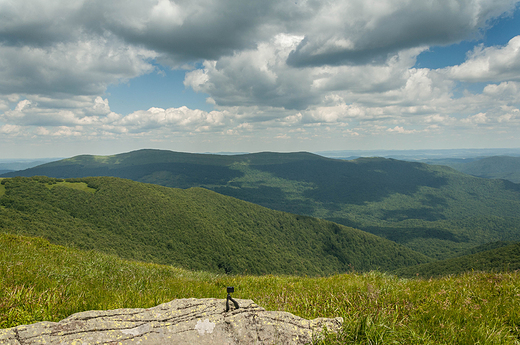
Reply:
x=182, y=321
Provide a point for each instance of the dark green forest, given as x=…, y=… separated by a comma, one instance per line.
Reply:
x=194, y=228
x=505, y=258
x=431, y=209
x=498, y=167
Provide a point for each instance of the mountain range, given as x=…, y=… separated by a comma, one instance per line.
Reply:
x=431, y=209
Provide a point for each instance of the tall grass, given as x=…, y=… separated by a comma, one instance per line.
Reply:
x=40, y=281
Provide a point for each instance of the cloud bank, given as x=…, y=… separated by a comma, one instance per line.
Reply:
x=284, y=70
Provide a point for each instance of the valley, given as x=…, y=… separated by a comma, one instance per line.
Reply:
x=431, y=209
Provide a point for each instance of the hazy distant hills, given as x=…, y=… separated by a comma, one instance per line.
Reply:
x=13, y=165
x=501, y=167
x=419, y=155
x=9, y=165
x=194, y=228
x=432, y=209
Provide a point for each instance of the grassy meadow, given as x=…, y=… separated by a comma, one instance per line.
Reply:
x=2, y=188
x=41, y=281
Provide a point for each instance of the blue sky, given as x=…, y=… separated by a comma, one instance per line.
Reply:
x=97, y=77
x=501, y=31
x=163, y=88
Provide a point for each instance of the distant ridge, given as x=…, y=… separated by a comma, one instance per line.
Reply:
x=136, y=165
x=424, y=155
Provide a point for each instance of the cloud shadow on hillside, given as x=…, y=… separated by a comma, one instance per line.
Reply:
x=271, y=197
x=359, y=181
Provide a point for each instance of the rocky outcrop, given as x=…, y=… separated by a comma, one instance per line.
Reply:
x=182, y=321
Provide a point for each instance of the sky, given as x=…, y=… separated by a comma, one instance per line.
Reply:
x=106, y=77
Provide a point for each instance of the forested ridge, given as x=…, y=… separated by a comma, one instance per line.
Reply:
x=435, y=210
x=194, y=228
x=498, y=167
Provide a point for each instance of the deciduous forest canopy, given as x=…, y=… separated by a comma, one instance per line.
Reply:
x=431, y=209
x=195, y=228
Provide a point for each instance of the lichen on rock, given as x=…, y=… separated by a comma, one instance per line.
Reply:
x=182, y=321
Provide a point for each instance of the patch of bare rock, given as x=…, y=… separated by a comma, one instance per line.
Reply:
x=183, y=321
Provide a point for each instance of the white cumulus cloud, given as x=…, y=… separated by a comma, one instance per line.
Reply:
x=287, y=70
x=491, y=64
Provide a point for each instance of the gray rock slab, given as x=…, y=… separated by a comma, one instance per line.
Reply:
x=181, y=321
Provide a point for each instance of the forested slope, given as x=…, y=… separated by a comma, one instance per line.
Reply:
x=194, y=228
x=506, y=258
x=498, y=167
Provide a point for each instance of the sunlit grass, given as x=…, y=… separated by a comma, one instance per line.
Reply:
x=2, y=187
x=40, y=281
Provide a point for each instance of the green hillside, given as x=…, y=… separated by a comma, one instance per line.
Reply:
x=506, y=258
x=497, y=167
x=40, y=281
x=486, y=247
x=195, y=228
x=435, y=210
